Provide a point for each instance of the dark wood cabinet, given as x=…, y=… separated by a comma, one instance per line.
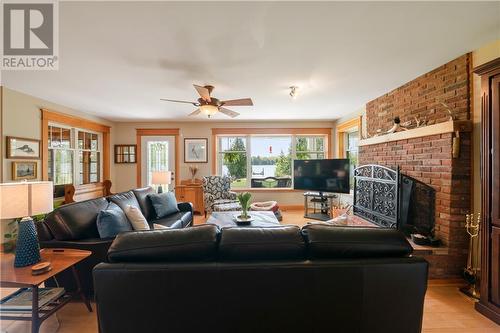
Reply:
x=495, y=269
x=489, y=303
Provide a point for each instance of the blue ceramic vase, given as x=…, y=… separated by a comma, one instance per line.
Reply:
x=27, y=248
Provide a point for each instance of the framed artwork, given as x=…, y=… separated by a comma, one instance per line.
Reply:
x=24, y=170
x=23, y=148
x=195, y=150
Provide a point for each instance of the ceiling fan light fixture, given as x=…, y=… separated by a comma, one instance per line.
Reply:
x=209, y=105
x=209, y=110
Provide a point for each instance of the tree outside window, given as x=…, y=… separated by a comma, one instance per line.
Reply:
x=351, y=153
x=234, y=160
x=266, y=161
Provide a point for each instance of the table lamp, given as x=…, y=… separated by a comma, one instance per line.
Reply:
x=26, y=199
x=161, y=178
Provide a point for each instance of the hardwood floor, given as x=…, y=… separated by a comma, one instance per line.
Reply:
x=446, y=309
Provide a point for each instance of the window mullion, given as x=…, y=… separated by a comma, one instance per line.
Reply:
x=220, y=156
x=294, y=155
x=76, y=157
x=294, y=148
x=248, y=154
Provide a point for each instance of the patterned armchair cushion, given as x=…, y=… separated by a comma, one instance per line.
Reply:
x=216, y=189
x=216, y=186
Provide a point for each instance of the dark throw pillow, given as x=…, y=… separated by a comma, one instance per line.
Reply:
x=111, y=221
x=164, y=204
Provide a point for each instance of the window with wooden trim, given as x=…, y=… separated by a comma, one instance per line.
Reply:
x=232, y=159
x=265, y=160
x=310, y=147
x=347, y=143
x=74, y=155
x=351, y=152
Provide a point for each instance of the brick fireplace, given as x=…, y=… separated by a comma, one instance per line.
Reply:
x=429, y=158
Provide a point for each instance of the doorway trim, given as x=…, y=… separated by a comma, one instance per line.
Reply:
x=140, y=132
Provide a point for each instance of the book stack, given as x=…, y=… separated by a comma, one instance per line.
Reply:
x=20, y=302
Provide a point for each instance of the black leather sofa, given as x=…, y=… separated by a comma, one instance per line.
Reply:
x=278, y=279
x=74, y=226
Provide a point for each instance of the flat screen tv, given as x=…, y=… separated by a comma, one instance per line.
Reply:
x=328, y=175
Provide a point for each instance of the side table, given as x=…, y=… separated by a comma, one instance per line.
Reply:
x=323, y=200
x=60, y=260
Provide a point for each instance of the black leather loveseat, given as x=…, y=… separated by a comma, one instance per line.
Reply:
x=278, y=279
x=74, y=226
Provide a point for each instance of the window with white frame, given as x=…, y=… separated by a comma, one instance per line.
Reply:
x=351, y=152
x=265, y=161
x=74, y=155
x=232, y=159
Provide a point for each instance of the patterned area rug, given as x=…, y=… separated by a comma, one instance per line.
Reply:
x=357, y=221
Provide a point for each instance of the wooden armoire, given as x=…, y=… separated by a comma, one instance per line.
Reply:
x=489, y=303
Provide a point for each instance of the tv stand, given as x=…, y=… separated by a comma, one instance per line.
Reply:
x=320, y=203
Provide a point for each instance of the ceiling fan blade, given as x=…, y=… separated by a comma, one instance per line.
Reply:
x=176, y=101
x=195, y=112
x=204, y=92
x=228, y=112
x=238, y=102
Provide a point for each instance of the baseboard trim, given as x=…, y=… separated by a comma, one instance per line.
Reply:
x=446, y=282
x=487, y=312
x=291, y=207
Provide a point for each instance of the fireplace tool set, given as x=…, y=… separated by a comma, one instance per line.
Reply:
x=471, y=272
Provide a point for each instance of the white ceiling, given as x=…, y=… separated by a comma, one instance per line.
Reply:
x=117, y=59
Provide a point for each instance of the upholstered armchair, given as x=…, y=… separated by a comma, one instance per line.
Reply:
x=216, y=191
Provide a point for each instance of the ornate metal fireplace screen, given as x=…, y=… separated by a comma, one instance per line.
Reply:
x=376, y=196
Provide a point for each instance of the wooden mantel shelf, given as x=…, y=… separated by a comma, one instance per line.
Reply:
x=441, y=128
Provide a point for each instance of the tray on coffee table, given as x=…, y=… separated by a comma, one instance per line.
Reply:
x=260, y=219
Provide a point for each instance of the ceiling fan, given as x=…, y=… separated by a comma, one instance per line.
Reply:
x=210, y=105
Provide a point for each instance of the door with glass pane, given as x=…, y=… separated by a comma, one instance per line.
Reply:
x=157, y=154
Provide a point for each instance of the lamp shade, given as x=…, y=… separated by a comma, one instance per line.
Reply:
x=161, y=177
x=25, y=199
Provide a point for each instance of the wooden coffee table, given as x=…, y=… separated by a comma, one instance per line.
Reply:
x=60, y=259
x=226, y=219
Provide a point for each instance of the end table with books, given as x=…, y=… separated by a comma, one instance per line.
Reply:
x=13, y=277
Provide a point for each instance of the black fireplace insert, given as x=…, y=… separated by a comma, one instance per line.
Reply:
x=390, y=199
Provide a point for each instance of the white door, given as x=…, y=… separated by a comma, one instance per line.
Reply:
x=158, y=152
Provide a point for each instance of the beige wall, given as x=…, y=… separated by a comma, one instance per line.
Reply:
x=125, y=175
x=2, y=154
x=21, y=117
x=480, y=56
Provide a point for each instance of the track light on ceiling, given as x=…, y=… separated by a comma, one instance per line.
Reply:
x=294, y=91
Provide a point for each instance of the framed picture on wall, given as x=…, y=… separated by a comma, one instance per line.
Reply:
x=23, y=148
x=24, y=170
x=195, y=150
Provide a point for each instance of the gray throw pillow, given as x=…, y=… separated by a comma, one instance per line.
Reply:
x=111, y=221
x=164, y=204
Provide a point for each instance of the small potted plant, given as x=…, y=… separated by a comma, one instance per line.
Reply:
x=244, y=200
